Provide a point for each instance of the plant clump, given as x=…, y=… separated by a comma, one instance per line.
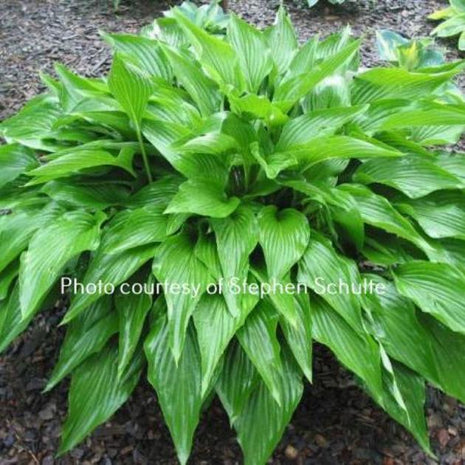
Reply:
x=211, y=157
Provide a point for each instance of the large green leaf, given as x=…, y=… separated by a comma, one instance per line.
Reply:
x=259, y=340
x=377, y=211
x=215, y=328
x=253, y=55
x=236, y=238
x=414, y=176
x=201, y=88
x=133, y=228
x=299, y=336
x=95, y=394
x=132, y=308
x=417, y=340
x=146, y=53
x=259, y=438
x=216, y=56
x=394, y=83
x=357, y=351
x=441, y=214
x=12, y=323
x=202, y=198
x=111, y=269
x=292, y=90
x=284, y=236
x=131, y=87
x=236, y=381
x=282, y=41
x=320, y=268
x=16, y=230
x=14, y=161
x=50, y=249
x=436, y=288
x=86, y=335
x=74, y=162
x=303, y=130
x=176, y=264
x=177, y=383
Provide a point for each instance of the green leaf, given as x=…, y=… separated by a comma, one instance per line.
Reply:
x=177, y=384
x=94, y=196
x=86, y=335
x=133, y=228
x=177, y=264
x=436, y=288
x=50, y=249
x=320, y=267
x=111, y=269
x=357, y=351
x=203, y=198
x=292, y=90
x=414, y=176
x=299, y=336
x=236, y=381
x=200, y=87
x=441, y=214
x=411, y=414
x=282, y=41
x=253, y=55
x=95, y=395
x=378, y=211
x=236, y=238
x=395, y=83
x=258, y=439
x=284, y=236
x=215, y=328
x=418, y=340
x=131, y=87
x=12, y=323
x=14, y=161
x=16, y=230
x=132, y=309
x=303, y=130
x=217, y=57
x=146, y=53
x=259, y=340
x=74, y=162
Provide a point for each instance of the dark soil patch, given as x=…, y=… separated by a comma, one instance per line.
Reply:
x=336, y=423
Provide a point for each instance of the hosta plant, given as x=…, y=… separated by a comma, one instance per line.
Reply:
x=317, y=194
x=411, y=54
x=454, y=21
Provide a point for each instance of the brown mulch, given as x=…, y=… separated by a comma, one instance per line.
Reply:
x=335, y=424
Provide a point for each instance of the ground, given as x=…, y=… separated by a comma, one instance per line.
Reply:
x=336, y=423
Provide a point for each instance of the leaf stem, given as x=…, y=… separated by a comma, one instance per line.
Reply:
x=144, y=155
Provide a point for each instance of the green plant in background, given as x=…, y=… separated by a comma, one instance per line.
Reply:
x=415, y=55
x=202, y=159
x=454, y=24
x=411, y=54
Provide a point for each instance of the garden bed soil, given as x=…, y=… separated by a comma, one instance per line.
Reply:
x=336, y=423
